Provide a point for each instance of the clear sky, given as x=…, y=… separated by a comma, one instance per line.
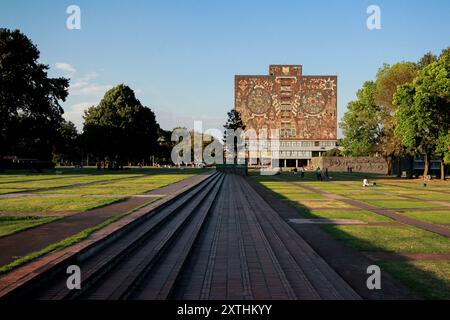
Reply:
x=181, y=56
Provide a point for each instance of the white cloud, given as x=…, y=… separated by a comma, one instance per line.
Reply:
x=66, y=67
x=169, y=121
x=84, y=88
x=76, y=112
x=88, y=76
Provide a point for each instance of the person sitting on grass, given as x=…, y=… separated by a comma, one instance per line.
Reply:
x=367, y=184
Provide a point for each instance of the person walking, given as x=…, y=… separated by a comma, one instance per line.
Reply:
x=318, y=174
x=302, y=172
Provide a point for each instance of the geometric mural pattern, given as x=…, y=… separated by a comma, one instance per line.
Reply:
x=302, y=107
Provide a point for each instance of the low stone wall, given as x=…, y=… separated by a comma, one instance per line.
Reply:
x=358, y=164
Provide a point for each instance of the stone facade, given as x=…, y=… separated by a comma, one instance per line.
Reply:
x=358, y=164
x=303, y=108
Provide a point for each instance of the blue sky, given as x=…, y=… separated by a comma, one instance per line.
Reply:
x=181, y=56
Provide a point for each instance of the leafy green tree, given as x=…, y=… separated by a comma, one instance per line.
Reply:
x=387, y=80
x=30, y=113
x=234, y=122
x=443, y=151
x=427, y=59
x=120, y=128
x=66, y=146
x=361, y=123
x=423, y=115
x=335, y=152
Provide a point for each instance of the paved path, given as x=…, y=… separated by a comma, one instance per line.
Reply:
x=20, y=244
x=247, y=251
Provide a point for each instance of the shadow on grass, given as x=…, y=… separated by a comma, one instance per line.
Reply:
x=424, y=283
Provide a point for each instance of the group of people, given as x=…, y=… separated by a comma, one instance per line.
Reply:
x=320, y=174
x=110, y=165
x=302, y=171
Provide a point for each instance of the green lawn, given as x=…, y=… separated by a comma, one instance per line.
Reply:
x=124, y=187
x=359, y=215
x=431, y=279
x=54, y=204
x=407, y=204
x=11, y=225
x=138, y=180
x=64, y=181
x=390, y=238
x=428, y=215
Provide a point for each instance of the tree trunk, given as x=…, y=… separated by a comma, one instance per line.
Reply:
x=426, y=160
x=389, y=166
x=442, y=169
x=411, y=167
x=399, y=167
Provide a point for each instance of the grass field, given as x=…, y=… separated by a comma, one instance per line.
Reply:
x=28, y=200
x=67, y=180
x=409, y=198
x=10, y=225
x=54, y=204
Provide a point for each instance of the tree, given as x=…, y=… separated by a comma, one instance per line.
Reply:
x=423, y=117
x=387, y=81
x=30, y=112
x=66, y=147
x=361, y=123
x=427, y=59
x=120, y=128
x=443, y=151
x=335, y=152
x=234, y=122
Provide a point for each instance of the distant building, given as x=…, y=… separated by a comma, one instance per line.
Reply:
x=303, y=108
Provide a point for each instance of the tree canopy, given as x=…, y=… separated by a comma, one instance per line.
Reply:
x=404, y=112
x=30, y=110
x=120, y=128
x=423, y=110
x=361, y=123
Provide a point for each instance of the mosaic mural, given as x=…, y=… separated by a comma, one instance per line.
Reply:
x=302, y=107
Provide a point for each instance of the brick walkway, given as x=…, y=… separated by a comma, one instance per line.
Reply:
x=247, y=251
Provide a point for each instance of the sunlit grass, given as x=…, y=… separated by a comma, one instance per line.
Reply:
x=407, y=204
x=54, y=204
x=124, y=187
x=429, y=216
x=391, y=238
x=358, y=215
